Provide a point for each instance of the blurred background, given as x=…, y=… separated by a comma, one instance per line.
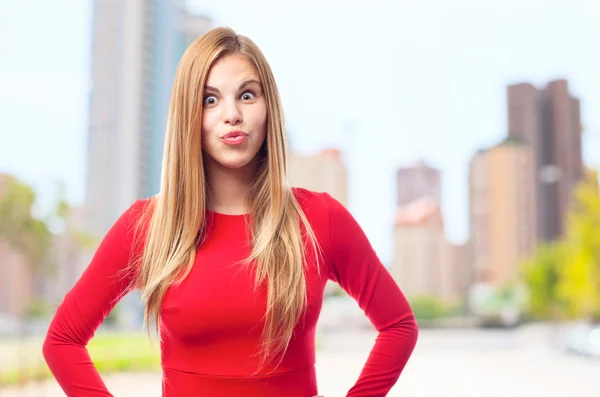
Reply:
x=463, y=136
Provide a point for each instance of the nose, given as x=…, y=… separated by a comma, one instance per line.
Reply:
x=231, y=113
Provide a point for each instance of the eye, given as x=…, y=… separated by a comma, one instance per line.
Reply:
x=210, y=100
x=248, y=95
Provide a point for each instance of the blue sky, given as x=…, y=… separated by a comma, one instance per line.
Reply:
x=414, y=80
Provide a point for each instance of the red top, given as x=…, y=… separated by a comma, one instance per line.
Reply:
x=211, y=323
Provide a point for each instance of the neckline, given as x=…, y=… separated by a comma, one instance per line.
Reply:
x=232, y=216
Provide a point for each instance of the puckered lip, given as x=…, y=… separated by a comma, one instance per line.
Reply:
x=233, y=134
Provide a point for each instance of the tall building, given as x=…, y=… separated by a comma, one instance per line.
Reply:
x=419, y=246
x=184, y=29
x=417, y=181
x=479, y=213
x=549, y=120
x=322, y=172
x=502, y=210
x=425, y=262
x=136, y=47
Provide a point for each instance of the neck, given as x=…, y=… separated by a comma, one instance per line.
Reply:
x=229, y=187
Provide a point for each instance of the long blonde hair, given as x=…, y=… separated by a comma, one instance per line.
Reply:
x=176, y=216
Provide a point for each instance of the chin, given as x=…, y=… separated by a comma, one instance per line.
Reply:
x=234, y=163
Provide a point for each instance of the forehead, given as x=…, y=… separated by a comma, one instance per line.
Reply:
x=231, y=70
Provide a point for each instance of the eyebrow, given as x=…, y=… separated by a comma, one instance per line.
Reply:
x=244, y=84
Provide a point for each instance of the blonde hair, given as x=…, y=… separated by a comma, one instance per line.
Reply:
x=176, y=217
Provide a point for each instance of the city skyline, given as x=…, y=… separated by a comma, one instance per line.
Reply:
x=452, y=87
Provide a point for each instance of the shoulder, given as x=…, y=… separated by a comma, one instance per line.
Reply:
x=321, y=209
x=315, y=207
x=137, y=210
x=135, y=218
x=321, y=204
x=310, y=200
x=133, y=225
x=317, y=204
x=143, y=205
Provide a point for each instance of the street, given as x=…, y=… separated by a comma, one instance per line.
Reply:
x=449, y=363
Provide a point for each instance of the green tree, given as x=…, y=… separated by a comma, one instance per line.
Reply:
x=23, y=232
x=563, y=277
x=579, y=285
x=542, y=275
x=26, y=235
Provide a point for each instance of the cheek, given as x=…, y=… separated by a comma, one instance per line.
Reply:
x=207, y=126
x=259, y=120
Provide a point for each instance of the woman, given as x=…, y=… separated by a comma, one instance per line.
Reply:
x=232, y=263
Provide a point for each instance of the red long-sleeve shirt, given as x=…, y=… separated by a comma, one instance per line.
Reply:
x=211, y=323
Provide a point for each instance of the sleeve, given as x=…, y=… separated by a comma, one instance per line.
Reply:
x=354, y=265
x=103, y=283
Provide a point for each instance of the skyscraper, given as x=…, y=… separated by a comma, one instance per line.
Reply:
x=549, y=120
x=136, y=46
x=501, y=211
x=417, y=181
x=425, y=262
x=419, y=244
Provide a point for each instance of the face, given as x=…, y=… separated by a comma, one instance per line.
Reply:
x=234, y=116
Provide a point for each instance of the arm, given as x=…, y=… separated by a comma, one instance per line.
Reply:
x=354, y=265
x=106, y=279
